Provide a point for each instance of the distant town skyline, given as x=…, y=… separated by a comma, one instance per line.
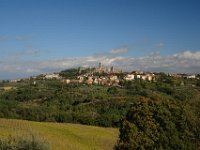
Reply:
x=48, y=36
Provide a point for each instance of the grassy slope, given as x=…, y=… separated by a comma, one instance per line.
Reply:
x=63, y=136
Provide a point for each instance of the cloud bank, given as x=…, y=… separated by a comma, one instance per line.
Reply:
x=183, y=62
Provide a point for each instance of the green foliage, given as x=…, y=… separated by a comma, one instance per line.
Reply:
x=23, y=143
x=57, y=102
x=158, y=124
x=70, y=73
x=112, y=90
x=198, y=82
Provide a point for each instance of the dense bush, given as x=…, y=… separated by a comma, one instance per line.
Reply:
x=23, y=143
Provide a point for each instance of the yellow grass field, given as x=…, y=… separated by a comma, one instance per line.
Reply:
x=62, y=136
x=6, y=88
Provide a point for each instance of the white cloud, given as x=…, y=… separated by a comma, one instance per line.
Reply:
x=188, y=55
x=119, y=51
x=183, y=62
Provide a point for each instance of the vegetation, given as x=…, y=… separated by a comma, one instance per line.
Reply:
x=51, y=100
x=57, y=136
x=162, y=122
x=23, y=143
x=163, y=114
x=70, y=73
x=152, y=125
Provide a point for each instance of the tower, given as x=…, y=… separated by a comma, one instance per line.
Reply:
x=100, y=65
x=112, y=69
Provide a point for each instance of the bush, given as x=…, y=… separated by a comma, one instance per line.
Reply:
x=23, y=143
x=112, y=90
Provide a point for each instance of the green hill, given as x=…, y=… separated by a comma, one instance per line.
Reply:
x=62, y=136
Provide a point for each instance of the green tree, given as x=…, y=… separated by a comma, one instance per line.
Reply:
x=155, y=124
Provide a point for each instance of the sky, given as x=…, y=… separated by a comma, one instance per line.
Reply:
x=41, y=36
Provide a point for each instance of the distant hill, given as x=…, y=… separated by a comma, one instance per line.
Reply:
x=63, y=136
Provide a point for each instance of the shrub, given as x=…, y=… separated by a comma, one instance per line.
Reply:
x=112, y=90
x=23, y=143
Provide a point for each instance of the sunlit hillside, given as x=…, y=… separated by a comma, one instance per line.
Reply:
x=62, y=136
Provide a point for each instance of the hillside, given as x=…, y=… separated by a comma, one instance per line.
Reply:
x=164, y=113
x=52, y=100
x=63, y=136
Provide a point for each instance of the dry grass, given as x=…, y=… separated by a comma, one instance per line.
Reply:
x=63, y=136
x=6, y=88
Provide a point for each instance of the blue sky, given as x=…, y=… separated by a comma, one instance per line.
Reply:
x=38, y=36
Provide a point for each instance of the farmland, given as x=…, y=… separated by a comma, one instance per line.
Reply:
x=62, y=136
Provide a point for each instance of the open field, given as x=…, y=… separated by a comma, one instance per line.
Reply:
x=63, y=136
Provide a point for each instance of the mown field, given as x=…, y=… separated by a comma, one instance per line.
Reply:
x=62, y=136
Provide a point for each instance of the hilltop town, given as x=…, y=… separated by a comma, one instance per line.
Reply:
x=103, y=75
x=103, y=96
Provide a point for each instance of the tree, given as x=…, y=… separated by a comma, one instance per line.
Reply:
x=139, y=130
x=154, y=124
